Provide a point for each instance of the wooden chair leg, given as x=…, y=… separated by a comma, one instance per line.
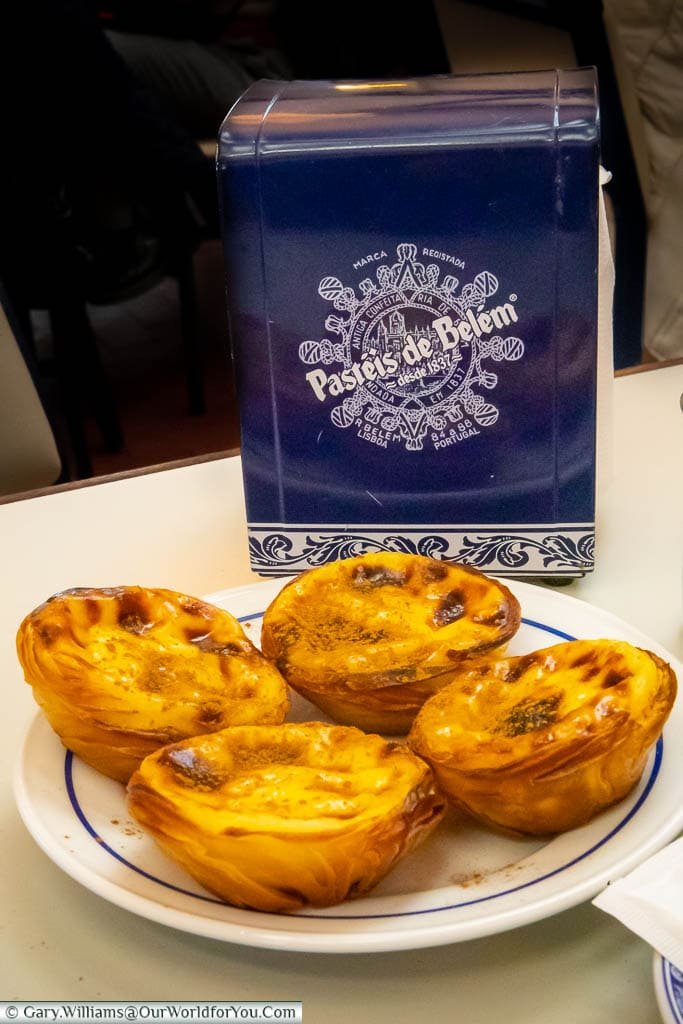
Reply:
x=70, y=390
x=183, y=270
x=83, y=381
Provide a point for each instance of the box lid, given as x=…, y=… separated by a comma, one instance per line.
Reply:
x=453, y=110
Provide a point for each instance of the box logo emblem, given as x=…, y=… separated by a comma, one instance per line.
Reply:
x=407, y=365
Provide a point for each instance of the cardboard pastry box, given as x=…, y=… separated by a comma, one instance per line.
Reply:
x=412, y=289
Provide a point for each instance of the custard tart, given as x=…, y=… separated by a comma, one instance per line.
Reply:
x=543, y=742
x=120, y=672
x=369, y=639
x=277, y=818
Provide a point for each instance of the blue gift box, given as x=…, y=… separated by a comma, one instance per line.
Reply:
x=412, y=290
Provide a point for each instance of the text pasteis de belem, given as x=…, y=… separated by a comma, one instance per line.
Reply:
x=450, y=335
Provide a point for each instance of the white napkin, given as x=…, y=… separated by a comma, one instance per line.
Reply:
x=649, y=901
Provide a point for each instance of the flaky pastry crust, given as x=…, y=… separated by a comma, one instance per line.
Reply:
x=277, y=818
x=543, y=742
x=122, y=671
x=369, y=639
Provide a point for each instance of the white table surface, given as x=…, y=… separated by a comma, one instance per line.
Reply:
x=184, y=528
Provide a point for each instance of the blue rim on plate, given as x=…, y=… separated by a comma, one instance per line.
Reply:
x=103, y=845
x=487, y=887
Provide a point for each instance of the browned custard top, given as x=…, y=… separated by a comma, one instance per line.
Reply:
x=149, y=659
x=383, y=619
x=312, y=778
x=497, y=712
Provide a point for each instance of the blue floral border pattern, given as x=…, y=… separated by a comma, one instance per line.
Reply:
x=277, y=551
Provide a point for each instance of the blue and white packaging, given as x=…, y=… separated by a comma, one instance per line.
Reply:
x=412, y=289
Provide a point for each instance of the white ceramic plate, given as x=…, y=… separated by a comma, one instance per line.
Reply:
x=462, y=883
x=669, y=990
